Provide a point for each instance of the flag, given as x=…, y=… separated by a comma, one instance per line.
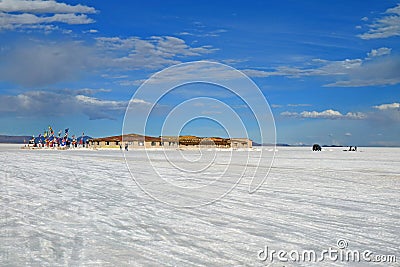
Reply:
x=66, y=131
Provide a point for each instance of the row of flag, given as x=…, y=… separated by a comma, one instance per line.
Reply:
x=49, y=134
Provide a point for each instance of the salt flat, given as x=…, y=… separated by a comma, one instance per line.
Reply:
x=82, y=208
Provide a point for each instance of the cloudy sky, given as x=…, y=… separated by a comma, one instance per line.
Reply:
x=330, y=70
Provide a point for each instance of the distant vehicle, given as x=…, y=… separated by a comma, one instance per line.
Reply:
x=316, y=147
x=351, y=149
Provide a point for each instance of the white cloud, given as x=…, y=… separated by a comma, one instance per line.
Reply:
x=326, y=114
x=152, y=53
x=35, y=63
x=130, y=82
x=299, y=105
x=171, y=46
x=14, y=21
x=379, y=52
x=386, y=26
x=64, y=103
x=289, y=114
x=379, y=67
x=202, y=33
x=195, y=72
x=388, y=106
x=232, y=61
x=384, y=114
x=348, y=134
x=290, y=105
x=39, y=6
x=184, y=33
x=113, y=105
x=35, y=14
x=99, y=109
x=276, y=106
x=376, y=70
x=82, y=91
x=166, y=46
x=260, y=73
x=91, y=31
x=325, y=68
x=139, y=101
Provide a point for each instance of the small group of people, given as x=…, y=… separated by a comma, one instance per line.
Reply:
x=126, y=147
x=352, y=149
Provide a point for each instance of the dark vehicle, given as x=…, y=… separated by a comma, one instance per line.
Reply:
x=316, y=147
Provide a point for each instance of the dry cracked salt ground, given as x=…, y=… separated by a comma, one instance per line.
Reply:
x=82, y=208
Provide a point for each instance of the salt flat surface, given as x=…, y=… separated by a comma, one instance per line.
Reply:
x=82, y=208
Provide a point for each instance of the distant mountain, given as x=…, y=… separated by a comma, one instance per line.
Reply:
x=14, y=139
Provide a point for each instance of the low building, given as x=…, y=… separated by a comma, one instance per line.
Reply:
x=170, y=141
x=107, y=142
x=134, y=141
x=237, y=143
x=129, y=140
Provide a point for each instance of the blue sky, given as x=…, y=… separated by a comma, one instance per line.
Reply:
x=329, y=69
